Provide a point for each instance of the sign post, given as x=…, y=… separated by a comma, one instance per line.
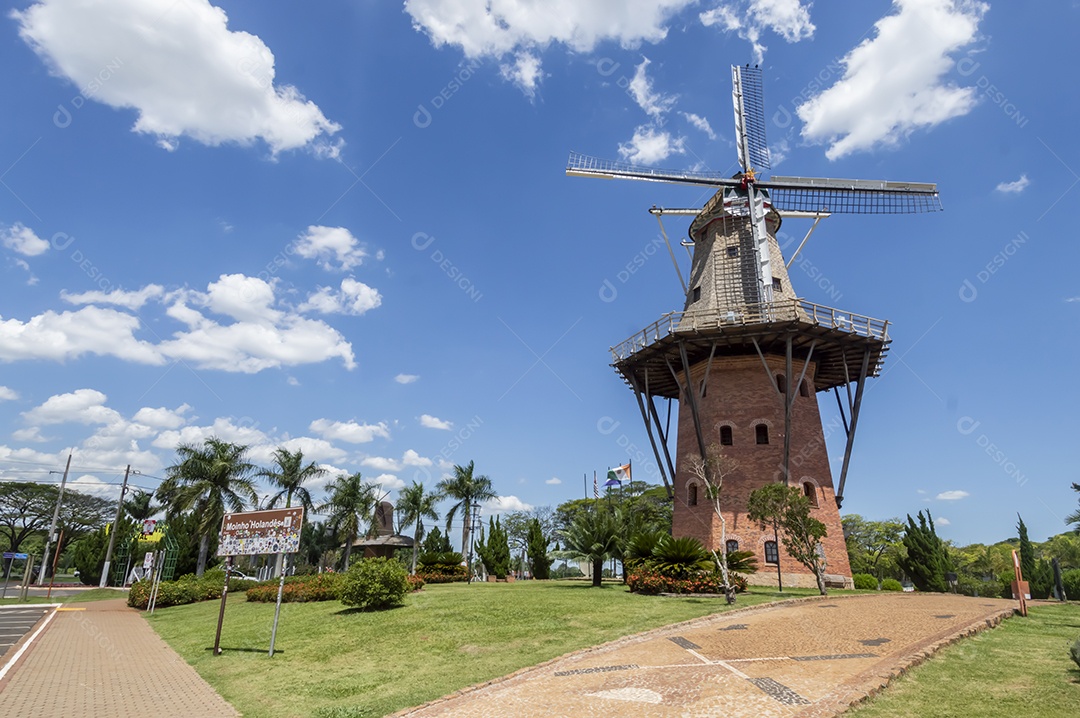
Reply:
x=276, y=531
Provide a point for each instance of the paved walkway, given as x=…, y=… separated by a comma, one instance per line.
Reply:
x=103, y=659
x=807, y=658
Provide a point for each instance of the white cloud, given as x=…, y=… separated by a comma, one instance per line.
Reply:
x=504, y=504
x=553, y=481
x=69, y=335
x=893, y=83
x=21, y=239
x=406, y=378
x=389, y=482
x=954, y=495
x=522, y=28
x=1072, y=299
x=789, y=19
x=942, y=521
x=354, y=298
x=649, y=146
x=119, y=297
x=162, y=418
x=238, y=431
x=701, y=123
x=349, y=431
x=179, y=67
x=7, y=394
x=409, y=458
x=655, y=104
x=334, y=248
x=82, y=406
x=431, y=422
x=24, y=265
x=1014, y=187
x=244, y=298
x=317, y=450
x=524, y=71
x=30, y=435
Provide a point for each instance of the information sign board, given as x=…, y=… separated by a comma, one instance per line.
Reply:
x=261, y=532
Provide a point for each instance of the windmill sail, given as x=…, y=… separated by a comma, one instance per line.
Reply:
x=748, y=99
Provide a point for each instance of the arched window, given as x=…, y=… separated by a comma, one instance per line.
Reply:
x=691, y=495
x=726, y=438
x=732, y=545
x=810, y=492
x=762, y=432
x=781, y=383
x=804, y=388
x=771, y=554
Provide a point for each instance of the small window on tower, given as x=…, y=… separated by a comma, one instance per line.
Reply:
x=810, y=492
x=691, y=495
x=777, y=285
x=771, y=554
x=726, y=438
x=781, y=383
x=804, y=388
x=733, y=251
x=732, y=545
x=696, y=295
x=762, y=432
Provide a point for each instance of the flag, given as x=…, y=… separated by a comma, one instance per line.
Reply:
x=619, y=474
x=595, y=488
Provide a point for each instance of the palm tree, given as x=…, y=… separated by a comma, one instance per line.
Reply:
x=351, y=505
x=289, y=476
x=209, y=479
x=467, y=489
x=139, y=508
x=593, y=536
x=415, y=505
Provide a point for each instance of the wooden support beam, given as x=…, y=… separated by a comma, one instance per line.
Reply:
x=854, y=423
x=648, y=429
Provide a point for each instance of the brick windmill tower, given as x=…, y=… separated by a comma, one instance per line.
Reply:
x=746, y=357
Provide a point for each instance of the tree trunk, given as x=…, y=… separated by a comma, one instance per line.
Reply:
x=348, y=550
x=465, y=534
x=416, y=545
x=204, y=548
x=597, y=571
x=819, y=573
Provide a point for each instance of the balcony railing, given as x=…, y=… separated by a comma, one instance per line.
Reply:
x=788, y=310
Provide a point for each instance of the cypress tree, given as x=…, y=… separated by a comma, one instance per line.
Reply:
x=1027, y=551
x=927, y=559
x=536, y=545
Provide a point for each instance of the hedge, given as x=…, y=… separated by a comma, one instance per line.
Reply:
x=186, y=589
x=299, y=589
x=650, y=582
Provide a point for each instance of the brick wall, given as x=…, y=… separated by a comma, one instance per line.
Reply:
x=741, y=395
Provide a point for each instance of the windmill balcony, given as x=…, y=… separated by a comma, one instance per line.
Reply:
x=797, y=311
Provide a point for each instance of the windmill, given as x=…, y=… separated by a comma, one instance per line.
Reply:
x=741, y=315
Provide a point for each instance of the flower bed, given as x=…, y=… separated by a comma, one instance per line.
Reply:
x=298, y=589
x=186, y=589
x=651, y=583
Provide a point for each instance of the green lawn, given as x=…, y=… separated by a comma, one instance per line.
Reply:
x=1021, y=668
x=336, y=663
x=93, y=594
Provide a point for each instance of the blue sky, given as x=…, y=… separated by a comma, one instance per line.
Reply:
x=344, y=227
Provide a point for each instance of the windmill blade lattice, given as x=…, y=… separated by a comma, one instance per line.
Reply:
x=748, y=97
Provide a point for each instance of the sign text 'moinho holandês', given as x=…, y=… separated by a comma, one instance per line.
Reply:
x=261, y=532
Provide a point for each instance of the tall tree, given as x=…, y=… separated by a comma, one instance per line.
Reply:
x=289, y=476
x=495, y=552
x=593, y=536
x=416, y=503
x=927, y=559
x=869, y=542
x=536, y=543
x=1073, y=519
x=437, y=542
x=1027, y=551
x=350, y=507
x=210, y=479
x=466, y=488
x=786, y=507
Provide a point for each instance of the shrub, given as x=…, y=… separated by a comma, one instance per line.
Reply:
x=891, y=584
x=1074, y=652
x=682, y=557
x=186, y=589
x=1071, y=581
x=375, y=583
x=443, y=567
x=865, y=582
x=977, y=587
x=299, y=589
x=651, y=582
x=415, y=583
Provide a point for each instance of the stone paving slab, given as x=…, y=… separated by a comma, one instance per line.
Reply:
x=103, y=659
x=807, y=657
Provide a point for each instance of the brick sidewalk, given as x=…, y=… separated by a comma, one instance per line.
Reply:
x=106, y=661
x=802, y=658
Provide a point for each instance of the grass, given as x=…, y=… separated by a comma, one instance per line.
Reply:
x=331, y=662
x=1020, y=668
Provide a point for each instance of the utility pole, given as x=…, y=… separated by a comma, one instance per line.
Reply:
x=475, y=509
x=52, y=526
x=112, y=534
